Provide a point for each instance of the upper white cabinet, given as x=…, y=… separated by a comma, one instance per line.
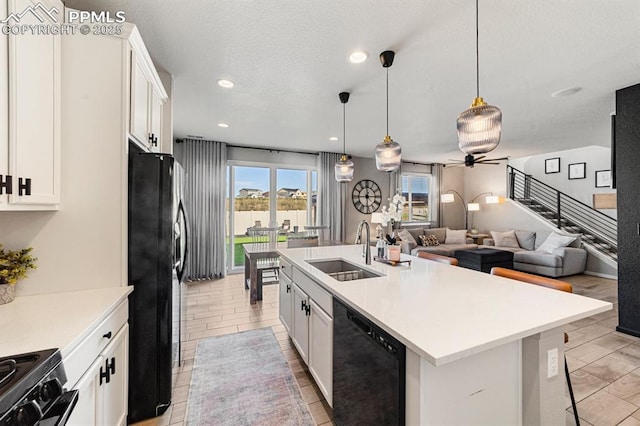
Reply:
x=30, y=111
x=147, y=99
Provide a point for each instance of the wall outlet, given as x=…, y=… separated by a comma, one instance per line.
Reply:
x=552, y=363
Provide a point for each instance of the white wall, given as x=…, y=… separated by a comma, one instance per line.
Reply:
x=83, y=245
x=595, y=157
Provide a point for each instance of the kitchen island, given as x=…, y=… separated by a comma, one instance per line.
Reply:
x=476, y=345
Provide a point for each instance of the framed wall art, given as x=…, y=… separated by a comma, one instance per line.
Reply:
x=603, y=178
x=552, y=165
x=577, y=171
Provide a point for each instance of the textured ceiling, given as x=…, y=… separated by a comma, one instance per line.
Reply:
x=288, y=59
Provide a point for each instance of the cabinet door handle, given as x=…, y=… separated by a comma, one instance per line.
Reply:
x=303, y=304
x=112, y=366
x=24, y=186
x=105, y=374
x=288, y=288
x=307, y=310
x=107, y=336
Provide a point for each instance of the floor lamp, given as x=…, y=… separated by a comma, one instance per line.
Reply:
x=449, y=197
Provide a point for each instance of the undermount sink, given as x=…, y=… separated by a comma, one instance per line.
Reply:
x=342, y=270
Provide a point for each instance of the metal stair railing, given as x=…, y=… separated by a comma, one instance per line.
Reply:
x=564, y=211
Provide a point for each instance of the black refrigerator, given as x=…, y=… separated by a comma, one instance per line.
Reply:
x=155, y=212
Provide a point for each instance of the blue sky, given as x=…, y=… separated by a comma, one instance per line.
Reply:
x=258, y=178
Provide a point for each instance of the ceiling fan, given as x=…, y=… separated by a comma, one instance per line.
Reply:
x=470, y=161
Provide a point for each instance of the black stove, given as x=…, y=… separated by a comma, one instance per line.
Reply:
x=31, y=391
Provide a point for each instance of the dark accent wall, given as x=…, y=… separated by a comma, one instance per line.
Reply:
x=627, y=161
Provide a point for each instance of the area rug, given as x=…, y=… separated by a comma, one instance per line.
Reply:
x=243, y=379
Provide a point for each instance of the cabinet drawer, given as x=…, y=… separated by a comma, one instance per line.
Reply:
x=319, y=295
x=86, y=352
x=286, y=268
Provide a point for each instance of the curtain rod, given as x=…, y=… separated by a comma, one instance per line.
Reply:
x=260, y=148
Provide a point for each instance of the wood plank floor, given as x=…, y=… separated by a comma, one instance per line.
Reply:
x=604, y=364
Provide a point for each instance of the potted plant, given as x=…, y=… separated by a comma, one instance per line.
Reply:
x=14, y=265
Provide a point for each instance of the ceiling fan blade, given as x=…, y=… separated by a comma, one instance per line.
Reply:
x=491, y=164
x=455, y=161
x=476, y=159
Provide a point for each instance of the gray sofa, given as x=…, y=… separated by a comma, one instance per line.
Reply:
x=562, y=262
x=441, y=249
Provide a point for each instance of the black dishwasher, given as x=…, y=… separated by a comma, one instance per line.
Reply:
x=368, y=371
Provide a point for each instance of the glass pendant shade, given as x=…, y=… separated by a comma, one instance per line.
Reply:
x=344, y=169
x=479, y=128
x=388, y=155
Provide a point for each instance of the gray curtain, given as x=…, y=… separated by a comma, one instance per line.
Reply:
x=205, y=163
x=331, y=197
x=436, y=172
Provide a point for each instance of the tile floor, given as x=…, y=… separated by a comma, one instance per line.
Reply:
x=604, y=364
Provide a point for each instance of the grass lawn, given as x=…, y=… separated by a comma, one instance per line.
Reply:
x=238, y=251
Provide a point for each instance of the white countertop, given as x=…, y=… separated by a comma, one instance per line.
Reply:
x=56, y=320
x=443, y=312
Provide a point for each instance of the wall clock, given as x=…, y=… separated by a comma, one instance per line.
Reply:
x=366, y=196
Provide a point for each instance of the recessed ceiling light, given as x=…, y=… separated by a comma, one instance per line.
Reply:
x=227, y=84
x=224, y=125
x=566, y=92
x=358, y=57
x=333, y=138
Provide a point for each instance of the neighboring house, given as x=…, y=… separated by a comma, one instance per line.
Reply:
x=249, y=193
x=266, y=194
x=291, y=193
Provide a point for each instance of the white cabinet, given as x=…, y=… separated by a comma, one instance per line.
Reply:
x=321, y=350
x=103, y=388
x=286, y=302
x=98, y=368
x=306, y=311
x=301, y=310
x=31, y=110
x=146, y=106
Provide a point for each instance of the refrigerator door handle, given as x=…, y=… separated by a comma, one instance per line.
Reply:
x=185, y=254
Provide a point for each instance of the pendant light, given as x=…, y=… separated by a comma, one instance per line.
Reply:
x=479, y=127
x=388, y=152
x=344, y=167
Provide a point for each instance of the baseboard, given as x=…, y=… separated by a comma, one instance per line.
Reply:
x=601, y=275
x=628, y=331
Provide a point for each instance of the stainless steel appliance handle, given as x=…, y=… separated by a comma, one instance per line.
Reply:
x=185, y=255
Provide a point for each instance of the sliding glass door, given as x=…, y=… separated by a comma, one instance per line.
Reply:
x=267, y=196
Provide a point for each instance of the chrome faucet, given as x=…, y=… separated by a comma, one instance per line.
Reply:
x=366, y=249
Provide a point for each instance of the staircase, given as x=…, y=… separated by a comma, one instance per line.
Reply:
x=598, y=230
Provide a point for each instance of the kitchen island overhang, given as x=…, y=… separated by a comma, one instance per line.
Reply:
x=452, y=320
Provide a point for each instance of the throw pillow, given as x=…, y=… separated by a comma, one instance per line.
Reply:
x=554, y=241
x=406, y=236
x=429, y=240
x=456, y=236
x=526, y=239
x=505, y=239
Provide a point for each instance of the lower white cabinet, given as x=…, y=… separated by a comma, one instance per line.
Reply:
x=305, y=311
x=98, y=367
x=300, y=334
x=321, y=350
x=102, y=396
x=286, y=301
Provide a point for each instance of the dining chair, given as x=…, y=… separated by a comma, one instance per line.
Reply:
x=438, y=258
x=549, y=283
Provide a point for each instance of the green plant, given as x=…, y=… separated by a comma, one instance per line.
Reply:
x=14, y=264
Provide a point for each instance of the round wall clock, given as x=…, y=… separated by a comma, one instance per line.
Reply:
x=366, y=196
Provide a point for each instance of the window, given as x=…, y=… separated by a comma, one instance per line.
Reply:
x=266, y=196
x=416, y=188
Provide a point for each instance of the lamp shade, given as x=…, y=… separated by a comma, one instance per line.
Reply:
x=388, y=155
x=377, y=217
x=473, y=207
x=492, y=199
x=479, y=128
x=447, y=198
x=344, y=169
